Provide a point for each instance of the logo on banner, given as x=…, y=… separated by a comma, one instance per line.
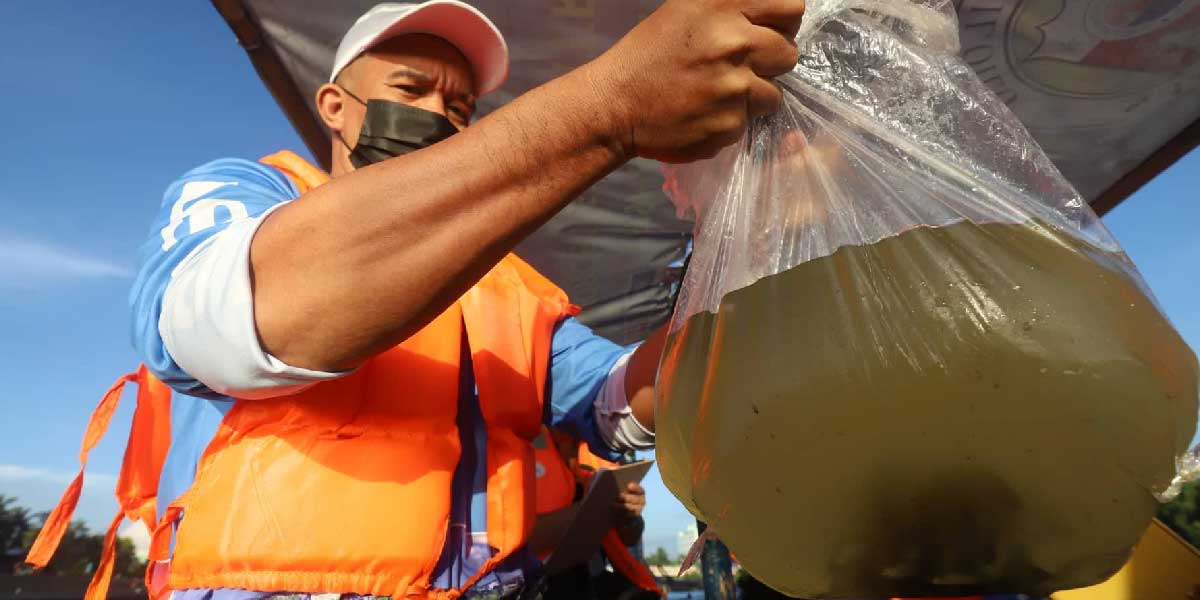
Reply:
x=1104, y=47
x=1101, y=84
x=1079, y=48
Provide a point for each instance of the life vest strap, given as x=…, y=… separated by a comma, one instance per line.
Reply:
x=59, y=519
x=624, y=562
x=137, y=486
x=98, y=587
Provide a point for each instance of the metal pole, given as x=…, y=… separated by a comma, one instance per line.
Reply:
x=716, y=568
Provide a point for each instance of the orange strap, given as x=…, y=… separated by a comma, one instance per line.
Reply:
x=98, y=587
x=137, y=486
x=56, y=524
x=157, y=573
x=624, y=562
x=146, y=450
x=160, y=536
x=303, y=174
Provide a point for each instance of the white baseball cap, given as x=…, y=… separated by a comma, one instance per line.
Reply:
x=456, y=22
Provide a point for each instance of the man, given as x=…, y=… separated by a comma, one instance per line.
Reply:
x=362, y=364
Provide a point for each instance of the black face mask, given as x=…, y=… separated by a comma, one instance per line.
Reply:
x=394, y=129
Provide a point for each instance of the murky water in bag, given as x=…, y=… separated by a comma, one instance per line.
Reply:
x=949, y=411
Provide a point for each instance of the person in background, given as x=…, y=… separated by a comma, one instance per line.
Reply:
x=564, y=468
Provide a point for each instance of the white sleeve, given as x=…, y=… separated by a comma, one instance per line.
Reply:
x=618, y=427
x=207, y=321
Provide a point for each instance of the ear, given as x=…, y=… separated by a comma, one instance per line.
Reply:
x=331, y=104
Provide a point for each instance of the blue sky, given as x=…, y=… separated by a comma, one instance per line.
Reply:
x=107, y=103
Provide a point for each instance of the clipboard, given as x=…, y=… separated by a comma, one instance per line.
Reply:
x=572, y=535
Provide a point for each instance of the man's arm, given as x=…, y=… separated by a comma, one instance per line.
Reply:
x=190, y=289
x=361, y=263
x=641, y=374
x=585, y=390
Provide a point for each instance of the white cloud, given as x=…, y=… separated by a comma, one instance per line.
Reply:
x=137, y=533
x=39, y=489
x=18, y=473
x=23, y=261
x=685, y=538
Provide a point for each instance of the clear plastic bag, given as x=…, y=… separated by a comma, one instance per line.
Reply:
x=907, y=358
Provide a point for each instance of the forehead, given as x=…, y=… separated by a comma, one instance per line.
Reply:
x=425, y=54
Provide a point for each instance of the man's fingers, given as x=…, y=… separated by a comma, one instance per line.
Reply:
x=773, y=54
x=763, y=98
x=633, y=499
x=784, y=16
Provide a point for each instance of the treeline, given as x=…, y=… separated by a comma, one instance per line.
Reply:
x=76, y=556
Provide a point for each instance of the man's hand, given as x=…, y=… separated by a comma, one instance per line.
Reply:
x=630, y=502
x=684, y=82
x=627, y=513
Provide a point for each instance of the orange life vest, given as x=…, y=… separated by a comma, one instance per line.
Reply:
x=345, y=487
x=556, y=491
x=555, y=483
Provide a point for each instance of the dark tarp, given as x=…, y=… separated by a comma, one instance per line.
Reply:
x=1109, y=88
